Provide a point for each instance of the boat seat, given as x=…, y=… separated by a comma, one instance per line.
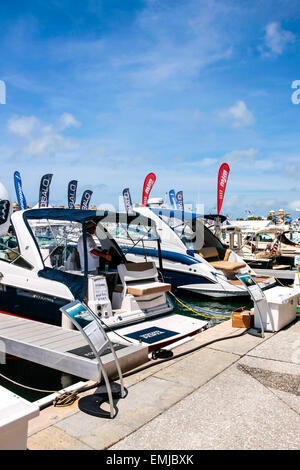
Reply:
x=144, y=288
x=228, y=265
x=211, y=254
x=140, y=279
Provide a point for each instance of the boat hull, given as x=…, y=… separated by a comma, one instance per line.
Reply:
x=32, y=305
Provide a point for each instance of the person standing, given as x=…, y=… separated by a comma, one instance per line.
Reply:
x=94, y=254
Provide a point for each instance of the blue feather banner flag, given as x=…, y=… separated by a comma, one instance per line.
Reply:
x=72, y=188
x=172, y=197
x=19, y=191
x=179, y=200
x=85, y=200
x=44, y=190
x=127, y=200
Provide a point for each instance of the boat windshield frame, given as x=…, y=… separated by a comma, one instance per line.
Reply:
x=82, y=217
x=194, y=221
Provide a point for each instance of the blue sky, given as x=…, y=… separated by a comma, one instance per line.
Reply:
x=106, y=91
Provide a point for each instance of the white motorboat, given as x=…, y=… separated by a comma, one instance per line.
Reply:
x=272, y=247
x=40, y=272
x=194, y=259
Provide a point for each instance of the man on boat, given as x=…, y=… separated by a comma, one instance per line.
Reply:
x=94, y=254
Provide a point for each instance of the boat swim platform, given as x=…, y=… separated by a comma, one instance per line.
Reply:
x=278, y=273
x=63, y=349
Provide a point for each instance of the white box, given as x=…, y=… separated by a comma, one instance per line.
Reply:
x=279, y=309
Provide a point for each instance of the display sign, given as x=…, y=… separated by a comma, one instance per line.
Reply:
x=101, y=292
x=257, y=296
x=254, y=290
x=152, y=334
x=99, y=342
x=93, y=331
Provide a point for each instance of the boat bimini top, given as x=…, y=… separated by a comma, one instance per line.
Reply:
x=57, y=247
x=190, y=228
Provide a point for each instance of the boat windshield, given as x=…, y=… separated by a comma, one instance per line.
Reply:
x=10, y=251
x=264, y=237
x=190, y=231
x=57, y=242
x=133, y=234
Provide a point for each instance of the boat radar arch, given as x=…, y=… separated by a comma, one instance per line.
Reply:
x=5, y=210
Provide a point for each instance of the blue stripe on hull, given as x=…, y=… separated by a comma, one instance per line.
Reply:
x=170, y=255
x=173, y=277
x=180, y=279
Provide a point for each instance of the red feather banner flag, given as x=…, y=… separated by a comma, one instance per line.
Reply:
x=148, y=185
x=222, y=181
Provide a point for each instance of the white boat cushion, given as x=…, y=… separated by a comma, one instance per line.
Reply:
x=137, y=271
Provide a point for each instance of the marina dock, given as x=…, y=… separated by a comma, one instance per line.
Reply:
x=236, y=393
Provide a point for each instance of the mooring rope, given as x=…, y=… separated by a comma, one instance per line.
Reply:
x=218, y=315
x=64, y=398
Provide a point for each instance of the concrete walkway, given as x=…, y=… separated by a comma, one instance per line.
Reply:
x=241, y=393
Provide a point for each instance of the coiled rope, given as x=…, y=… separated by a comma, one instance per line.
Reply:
x=64, y=398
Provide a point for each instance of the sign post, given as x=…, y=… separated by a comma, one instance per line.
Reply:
x=90, y=326
x=256, y=295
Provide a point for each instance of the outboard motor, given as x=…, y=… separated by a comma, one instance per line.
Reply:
x=5, y=211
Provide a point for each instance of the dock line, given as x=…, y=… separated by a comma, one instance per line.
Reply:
x=64, y=398
x=218, y=315
x=184, y=353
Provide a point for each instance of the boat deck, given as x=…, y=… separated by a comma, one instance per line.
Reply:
x=237, y=282
x=59, y=348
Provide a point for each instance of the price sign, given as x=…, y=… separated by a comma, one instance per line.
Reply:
x=101, y=292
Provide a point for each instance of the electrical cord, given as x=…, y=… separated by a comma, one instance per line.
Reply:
x=184, y=353
x=114, y=331
x=152, y=364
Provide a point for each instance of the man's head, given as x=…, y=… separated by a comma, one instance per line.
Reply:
x=90, y=226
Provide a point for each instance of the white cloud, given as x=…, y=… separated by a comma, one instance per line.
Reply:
x=49, y=144
x=42, y=139
x=239, y=114
x=23, y=126
x=276, y=39
x=294, y=205
x=292, y=170
x=237, y=155
x=68, y=120
x=264, y=165
x=208, y=162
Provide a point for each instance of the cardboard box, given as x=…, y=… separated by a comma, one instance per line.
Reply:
x=242, y=318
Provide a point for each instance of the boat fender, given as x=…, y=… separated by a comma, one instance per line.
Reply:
x=162, y=354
